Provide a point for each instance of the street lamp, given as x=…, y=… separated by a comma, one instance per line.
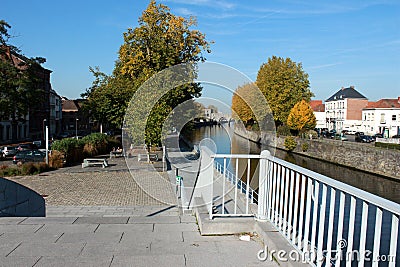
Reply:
x=76, y=128
x=44, y=123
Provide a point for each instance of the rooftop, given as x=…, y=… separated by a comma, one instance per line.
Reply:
x=384, y=103
x=344, y=93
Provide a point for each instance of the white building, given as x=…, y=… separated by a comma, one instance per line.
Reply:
x=344, y=110
x=382, y=117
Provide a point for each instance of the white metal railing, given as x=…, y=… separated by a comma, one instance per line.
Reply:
x=239, y=186
x=327, y=221
x=232, y=178
x=388, y=140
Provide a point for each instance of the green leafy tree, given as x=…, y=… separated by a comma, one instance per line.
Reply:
x=19, y=80
x=284, y=83
x=301, y=117
x=161, y=40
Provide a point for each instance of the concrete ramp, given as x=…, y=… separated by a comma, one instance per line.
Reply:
x=19, y=201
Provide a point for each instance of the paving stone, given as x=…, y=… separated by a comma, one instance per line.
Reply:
x=11, y=228
x=49, y=220
x=189, y=236
x=153, y=237
x=180, y=248
x=75, y=261
x=102, y=237
x=130, y=249
x=154, y=219
x=29, y=237
x=102, y=220
x=48, y=249
x=7, y=247
x=188, y=219
x=68, y=228
x=18, y=261
x=149, y=260
x=181, y=227
x=125, y=228
x=215, y=259
x=12, y=220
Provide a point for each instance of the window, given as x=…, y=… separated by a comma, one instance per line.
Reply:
x=383, y=118
x=393, y=117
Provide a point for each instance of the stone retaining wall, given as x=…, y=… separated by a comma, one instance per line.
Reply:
x=365, y=157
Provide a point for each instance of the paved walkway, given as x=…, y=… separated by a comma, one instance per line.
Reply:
x=102, y=217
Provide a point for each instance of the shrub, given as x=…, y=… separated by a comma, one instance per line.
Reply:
x=313, y=133
x=56, y=159
x=13, y=171
x=304, y=147
x=28, y=169
x=387, y=145
x=42, y=167
x=283, y=130
x=290, y=143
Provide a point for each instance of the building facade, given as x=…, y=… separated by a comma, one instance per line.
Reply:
x=75, y=121
x=44, y=111
x=382, y=117
x=319, y=112
x=344, y=110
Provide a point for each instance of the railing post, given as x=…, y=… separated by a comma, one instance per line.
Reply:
x=262, y=186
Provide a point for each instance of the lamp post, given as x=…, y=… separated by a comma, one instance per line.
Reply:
x=46, y=139
x=76, y=128
x=43, y=124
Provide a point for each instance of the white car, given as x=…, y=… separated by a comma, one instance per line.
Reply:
x=8, y=151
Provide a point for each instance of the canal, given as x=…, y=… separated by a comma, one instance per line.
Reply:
x=227, y=142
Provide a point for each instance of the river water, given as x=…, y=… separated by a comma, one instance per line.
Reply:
x=227, y=142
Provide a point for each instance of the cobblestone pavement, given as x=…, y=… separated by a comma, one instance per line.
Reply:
x=94, y=186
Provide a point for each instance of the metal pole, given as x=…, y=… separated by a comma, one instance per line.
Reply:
x=47, y=144
x=76, y=128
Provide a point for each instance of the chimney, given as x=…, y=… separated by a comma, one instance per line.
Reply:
x=342, y=88
x=352, y=86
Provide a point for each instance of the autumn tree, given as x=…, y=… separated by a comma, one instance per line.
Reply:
x=301, y=117
x=284, y=83
x=161, y=40
x=247, y=101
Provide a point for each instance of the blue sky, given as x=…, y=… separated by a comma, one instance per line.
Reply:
x=340, y=43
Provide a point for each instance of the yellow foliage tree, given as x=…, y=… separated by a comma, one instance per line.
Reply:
x=244, y=96
x=301, y=117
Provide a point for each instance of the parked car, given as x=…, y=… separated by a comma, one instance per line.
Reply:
x=8, y=151
x=27, y=146
x=351, y=132
x=358, y=133
x=396, y=136
x=341, y=137
x=29, y=156
x=364, y=139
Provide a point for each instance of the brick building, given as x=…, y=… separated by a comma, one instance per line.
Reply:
x=30, y=126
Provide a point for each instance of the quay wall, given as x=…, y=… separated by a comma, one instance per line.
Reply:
x=361, y=156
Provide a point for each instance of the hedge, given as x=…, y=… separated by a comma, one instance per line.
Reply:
x=75, y=150
x=387, y=145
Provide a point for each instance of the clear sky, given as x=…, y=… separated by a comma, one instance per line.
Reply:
x=339, y=43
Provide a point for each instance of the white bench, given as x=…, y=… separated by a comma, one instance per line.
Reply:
x=148, y=157
x=94, y=162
